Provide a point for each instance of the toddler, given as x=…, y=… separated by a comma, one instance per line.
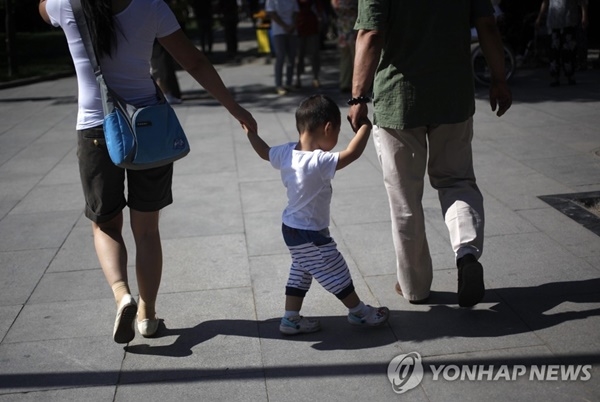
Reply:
x=307, y=167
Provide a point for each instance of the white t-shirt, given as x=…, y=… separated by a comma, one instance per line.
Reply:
x=127, y=72
x=307, y=178
x=285, y=9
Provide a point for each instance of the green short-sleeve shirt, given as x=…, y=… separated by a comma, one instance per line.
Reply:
x=424, y=75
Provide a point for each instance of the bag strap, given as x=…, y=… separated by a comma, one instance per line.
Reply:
x=86, y=38
x=84, y=31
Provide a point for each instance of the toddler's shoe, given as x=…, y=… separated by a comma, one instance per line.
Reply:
x=147, y=328
x=298, y=325
x=375, y=317
x=123, y=331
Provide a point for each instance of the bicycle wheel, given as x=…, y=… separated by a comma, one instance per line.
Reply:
x=481, y=71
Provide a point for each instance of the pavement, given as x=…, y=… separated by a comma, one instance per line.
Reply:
x=534, y=337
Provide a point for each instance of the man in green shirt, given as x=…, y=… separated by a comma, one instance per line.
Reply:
x=415, y=55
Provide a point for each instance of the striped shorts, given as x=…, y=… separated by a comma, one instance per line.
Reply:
x=315, y=254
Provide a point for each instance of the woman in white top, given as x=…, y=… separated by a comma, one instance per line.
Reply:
x=123, y=32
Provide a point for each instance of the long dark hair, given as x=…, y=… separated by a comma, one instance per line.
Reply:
x=99, y=17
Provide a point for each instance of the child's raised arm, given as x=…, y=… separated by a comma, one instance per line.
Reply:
x=357, y=145
x=259, y=145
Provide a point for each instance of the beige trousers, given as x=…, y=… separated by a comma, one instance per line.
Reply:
x=445, y=151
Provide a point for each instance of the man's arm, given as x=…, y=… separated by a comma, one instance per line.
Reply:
x=368, y=51
x=493, y=50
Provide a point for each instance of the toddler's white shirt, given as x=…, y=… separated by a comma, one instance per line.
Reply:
x=307, y=178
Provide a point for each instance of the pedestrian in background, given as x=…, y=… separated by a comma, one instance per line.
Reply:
x=283, y=14
x=563, y=19
x=228, y=9
x=309, y=17
x=203, y=12
x=346, y=13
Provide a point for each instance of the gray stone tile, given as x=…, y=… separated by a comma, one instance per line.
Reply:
x=518, y=186
x=231, y=386
x=208, y=262
x=529, y=260
x=39, y=158
x=67, y=320
x=59, y=364
x=565, y=231
x=565, y=315
x=36, y=230
x=576, y=170
x=441, y=327
x=78, y=252
x=371, y=246
x=209, y=205
x=14, y=187
x=65, y=172
x=263, y=196
x=204, y=334
x=263, y=233
x=359, y=205
x=338, y=363
x=50, y=198
x=21, y=272
x=70, y=286
x=501, y=220
x=350, y=382
x=7, y=317
x=95, y=393
x=269, y=276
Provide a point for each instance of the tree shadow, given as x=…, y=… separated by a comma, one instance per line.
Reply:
x=514, y=311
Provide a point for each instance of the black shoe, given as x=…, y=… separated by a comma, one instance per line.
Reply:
x=572, y=81
x=555, y=83
x=470, y=281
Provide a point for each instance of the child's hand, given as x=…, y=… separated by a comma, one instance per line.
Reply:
x=246, y=129
x=365, y=122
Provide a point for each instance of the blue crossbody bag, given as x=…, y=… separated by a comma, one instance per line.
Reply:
x=136, y=138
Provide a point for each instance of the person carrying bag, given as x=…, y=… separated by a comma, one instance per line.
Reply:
x=122, y=34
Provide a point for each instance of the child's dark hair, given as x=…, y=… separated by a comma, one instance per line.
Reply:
x=315, y=111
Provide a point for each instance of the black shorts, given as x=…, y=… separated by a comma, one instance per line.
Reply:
x=104, y=183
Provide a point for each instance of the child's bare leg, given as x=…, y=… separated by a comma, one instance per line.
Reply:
x=351, y=301
x=293, y=303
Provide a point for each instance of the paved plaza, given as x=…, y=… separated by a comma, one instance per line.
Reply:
x=535, y=336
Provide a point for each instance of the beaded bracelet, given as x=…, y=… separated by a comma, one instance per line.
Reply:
x=360, y=99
